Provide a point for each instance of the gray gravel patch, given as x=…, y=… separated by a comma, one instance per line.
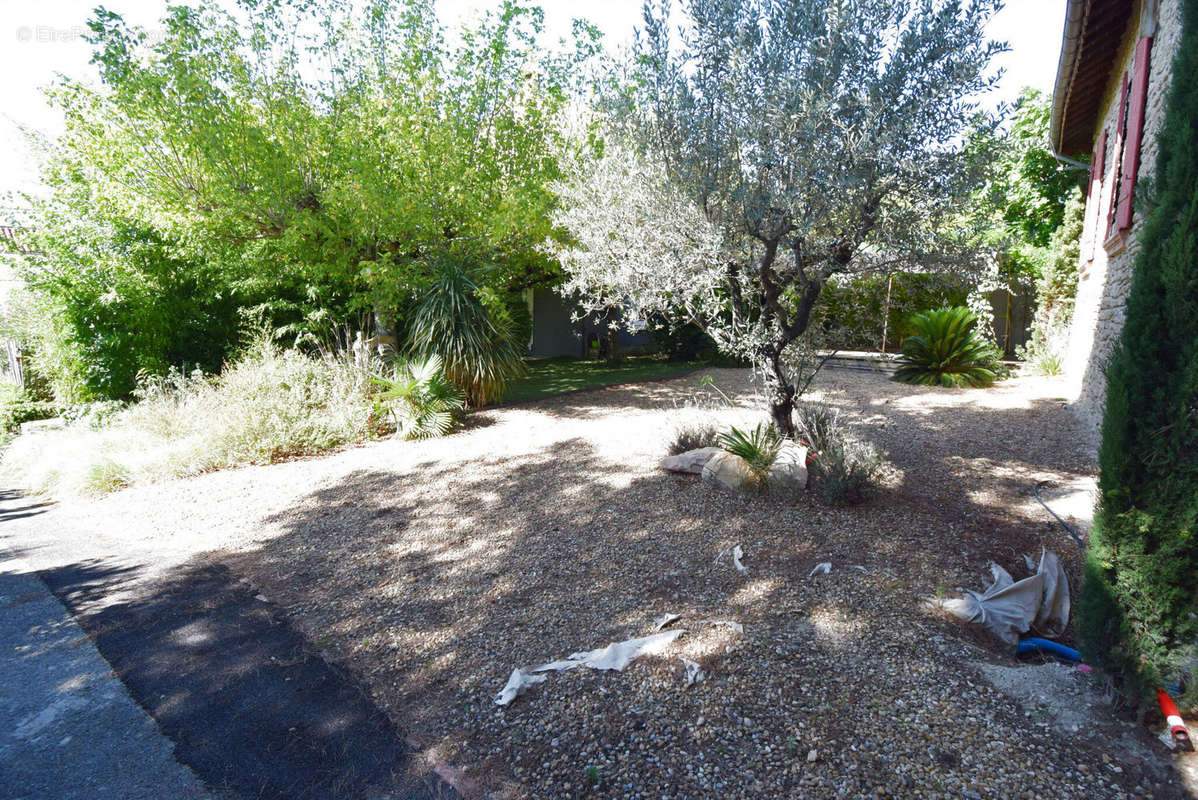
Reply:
x=432, y=569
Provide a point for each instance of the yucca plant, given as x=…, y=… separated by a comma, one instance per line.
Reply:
x=419, y=398
x=759, y=448
x=945, y=350
x=467, y=325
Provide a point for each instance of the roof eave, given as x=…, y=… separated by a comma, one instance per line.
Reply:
x=1075, y=17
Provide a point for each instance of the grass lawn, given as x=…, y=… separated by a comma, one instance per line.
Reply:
x=549, y=376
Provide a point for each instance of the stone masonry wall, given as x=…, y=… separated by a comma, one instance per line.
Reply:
x=1105, y=274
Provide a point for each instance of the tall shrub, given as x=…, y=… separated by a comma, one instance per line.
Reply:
x=1139, y=608
x=469, y=327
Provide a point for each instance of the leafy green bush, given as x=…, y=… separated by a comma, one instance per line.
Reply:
x=95, y=414
x=759, y=448
x=269, y=405
x=842, y=467
x=1138, y=608
x=693, y=434
x=108, y=299
x=17, y=407
x=682, y=342
x=419, y=399
x=946, y=351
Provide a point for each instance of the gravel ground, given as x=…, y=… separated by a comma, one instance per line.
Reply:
x=433, y=569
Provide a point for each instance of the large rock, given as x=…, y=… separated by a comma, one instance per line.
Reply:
x=727, y=470
x=789, y=470
x=691, y=461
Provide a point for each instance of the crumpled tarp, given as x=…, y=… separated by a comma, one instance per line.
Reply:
x=1010, y=608
x=616, y=655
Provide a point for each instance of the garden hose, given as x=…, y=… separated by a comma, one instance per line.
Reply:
x=1064, y=524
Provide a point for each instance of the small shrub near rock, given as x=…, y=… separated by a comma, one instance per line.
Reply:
x=693, y=435
x=843, y=468
x=844, y=475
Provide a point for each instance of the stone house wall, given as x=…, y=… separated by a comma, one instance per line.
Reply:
x=1106, y=265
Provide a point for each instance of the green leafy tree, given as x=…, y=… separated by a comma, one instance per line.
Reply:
x=1030, y=188
x=769, y=147
x=1025, y=205
x=316, y=160
x=1138, y=608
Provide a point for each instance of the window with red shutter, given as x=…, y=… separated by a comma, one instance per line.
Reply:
x=1094, y=198
x=1116, y=174
x=1135, y=131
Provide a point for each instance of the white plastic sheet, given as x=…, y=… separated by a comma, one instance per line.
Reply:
x=1010, y=608
x=616, y=655
x=736, y=554
x=694, y=673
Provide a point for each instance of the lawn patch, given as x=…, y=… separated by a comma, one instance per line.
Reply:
x=552, y=376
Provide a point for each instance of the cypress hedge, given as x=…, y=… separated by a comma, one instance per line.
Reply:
x=1138, y=608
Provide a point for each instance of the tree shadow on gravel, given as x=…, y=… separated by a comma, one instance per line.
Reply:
x=434, y=583
x=19, y=512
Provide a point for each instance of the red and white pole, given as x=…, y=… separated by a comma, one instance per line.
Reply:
x=1177, y=725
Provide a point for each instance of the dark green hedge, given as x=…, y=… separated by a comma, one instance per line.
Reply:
x=852, y=310
x=1138, y=610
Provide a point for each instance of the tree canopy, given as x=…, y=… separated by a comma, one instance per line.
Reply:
x=313, y=159
x=763, y=147
x=1029, y=188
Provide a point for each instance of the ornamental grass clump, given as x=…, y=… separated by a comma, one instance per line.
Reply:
x=269, y=405
x=843, y=468
x=945, y=350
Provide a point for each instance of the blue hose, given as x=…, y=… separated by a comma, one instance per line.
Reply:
x=1034, y=645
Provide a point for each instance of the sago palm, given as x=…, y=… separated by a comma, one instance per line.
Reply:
x=946, y=351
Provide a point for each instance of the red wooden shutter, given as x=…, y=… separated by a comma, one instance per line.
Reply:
x=1116, y=174
x=1094, y=198
x=1135, y=130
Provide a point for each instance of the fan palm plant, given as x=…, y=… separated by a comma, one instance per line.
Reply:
x=419, y=398
x=467, y=325
x=946, y=351
x=759, y=448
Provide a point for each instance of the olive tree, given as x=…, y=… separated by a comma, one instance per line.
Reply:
x=759, y=148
